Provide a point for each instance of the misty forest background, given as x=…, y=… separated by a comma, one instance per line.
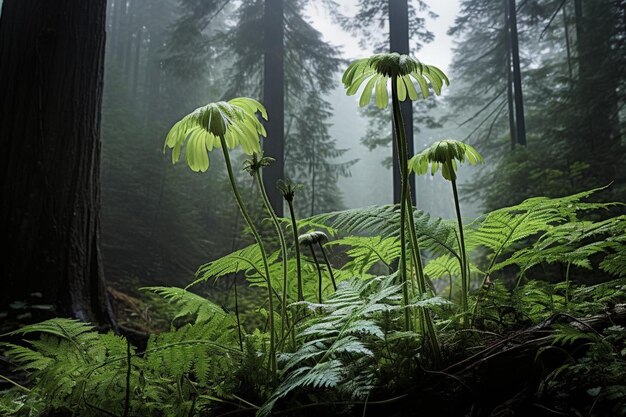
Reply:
x=166, y=57
x=549, y=123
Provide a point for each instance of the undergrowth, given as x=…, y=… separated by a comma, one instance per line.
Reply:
x=352, y=349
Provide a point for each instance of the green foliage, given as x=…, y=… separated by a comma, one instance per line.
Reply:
x=346, y=349
x=433, y=234
x=573, y=123
x=596, y=377
x=367, y=251
x=335, y=350
x=74, y=367
x=558, y=234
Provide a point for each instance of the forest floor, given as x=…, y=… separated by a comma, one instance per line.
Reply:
x=514, y=373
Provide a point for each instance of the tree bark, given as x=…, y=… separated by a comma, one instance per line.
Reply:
x=517, y=75
x=509, y=77
x=597, y=98
x=51, y=75
x=274, y=99
x=399, y=42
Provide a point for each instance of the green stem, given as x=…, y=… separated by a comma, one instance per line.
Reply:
x=257, y=238
x=464, y=283
x=407, y=208
x=283, y=248
x=294, y=227
x=567, y=283
x=330, y=268
x=319, y=275
x=237, y=315
x=400, y=141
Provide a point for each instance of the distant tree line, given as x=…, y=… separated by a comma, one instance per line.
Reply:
x=550, y=122
x=166, y=57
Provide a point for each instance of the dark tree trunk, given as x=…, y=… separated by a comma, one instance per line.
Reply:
x=597, y=133
x=568, y=47
x=399, y=42
x=274, y=99
x=51, y=75
x=509, y=77
x=517, y=75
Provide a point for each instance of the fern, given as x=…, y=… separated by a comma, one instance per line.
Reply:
x=367, y=251
x=575, y=243
x=434, y=234
x=74, y=367
x=247, y=260
x=335, y=350
x=501, y=229
x=188, y=305
x=568, y=335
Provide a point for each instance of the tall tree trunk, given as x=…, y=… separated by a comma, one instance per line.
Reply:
x=122, y=25
x=152, y=89
x=517, y=75
x=568, y=47
x=399, y=42
x=113, y=43
x=598, y=135
x=274, y=99
x=136, y=61
x=128, y=37
x=509, y=77
x=51, y=75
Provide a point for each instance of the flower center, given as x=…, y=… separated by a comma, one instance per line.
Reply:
x=393, y=64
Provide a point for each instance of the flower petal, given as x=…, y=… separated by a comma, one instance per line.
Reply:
x=382, y=97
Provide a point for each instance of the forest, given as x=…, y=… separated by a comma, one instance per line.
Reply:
x=312, y=208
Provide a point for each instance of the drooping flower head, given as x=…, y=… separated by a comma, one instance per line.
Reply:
x=234, y=120
x=444, y=154
x=378, y=69
x=311, y=238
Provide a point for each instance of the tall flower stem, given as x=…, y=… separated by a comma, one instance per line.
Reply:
x=294, y=228
x=257, y=238
x=464, y=280
x=319, y=275
x=283, y=248
x=330, y=268
x=404, y=180
x=407, y=210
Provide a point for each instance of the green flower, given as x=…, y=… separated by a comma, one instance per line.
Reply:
x=378, y=69
x=234, y=120
x=444, y=154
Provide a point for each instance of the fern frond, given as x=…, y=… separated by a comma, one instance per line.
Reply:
x=68, y=329
x=433, y=234
x=445, y=266
x=247, y=260
x=367, y=251
x=567, y=335
x=574, y=243
x=188, y=304
x=336, y=349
